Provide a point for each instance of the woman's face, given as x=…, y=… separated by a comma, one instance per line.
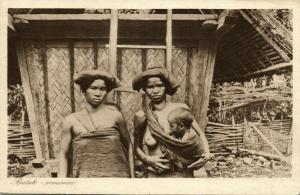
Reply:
x=155, y=89
x=96, y=92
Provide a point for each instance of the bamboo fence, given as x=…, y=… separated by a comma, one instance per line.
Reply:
x=20, y=140
x=243, y=136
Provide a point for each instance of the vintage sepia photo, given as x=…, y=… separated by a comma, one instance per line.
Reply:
x=149, y=97
x=150, y=93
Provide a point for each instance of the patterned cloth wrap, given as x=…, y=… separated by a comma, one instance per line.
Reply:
x=98, y=153
x=180, y=152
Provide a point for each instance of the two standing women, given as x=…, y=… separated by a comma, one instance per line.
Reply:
x=95, y=142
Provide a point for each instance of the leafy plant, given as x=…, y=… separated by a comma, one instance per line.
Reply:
x=15, y=101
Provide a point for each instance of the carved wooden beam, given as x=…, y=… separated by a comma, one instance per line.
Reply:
x=10, y=22
x=87, y=17
x=227, y=20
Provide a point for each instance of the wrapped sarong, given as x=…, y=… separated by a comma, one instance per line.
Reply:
x=184, y=151
x=99, y=153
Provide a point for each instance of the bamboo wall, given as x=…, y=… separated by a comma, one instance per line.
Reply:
x=50, y=67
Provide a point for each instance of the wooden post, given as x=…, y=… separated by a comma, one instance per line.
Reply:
x=72, y=70
x=112, y=56
x=212, y=49
x=169, y=41
x=113, y=37
x=29, y=99
x=202, y=67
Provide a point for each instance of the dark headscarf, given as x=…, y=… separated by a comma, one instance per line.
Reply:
x=85, y=77
x=171, y=84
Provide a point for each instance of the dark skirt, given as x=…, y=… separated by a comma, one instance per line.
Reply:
x=99, y=154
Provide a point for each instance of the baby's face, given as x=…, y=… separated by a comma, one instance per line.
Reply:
x=176, y=128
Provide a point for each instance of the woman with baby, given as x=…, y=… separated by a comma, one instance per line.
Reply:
x=168, y=140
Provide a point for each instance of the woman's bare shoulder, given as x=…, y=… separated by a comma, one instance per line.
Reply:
x=113, y=112
x=70, y=120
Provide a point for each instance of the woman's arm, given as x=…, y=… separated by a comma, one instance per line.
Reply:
x=202, y=136
x=206, y=156
x=126, y=137
x=154, y=161
x=64, y=147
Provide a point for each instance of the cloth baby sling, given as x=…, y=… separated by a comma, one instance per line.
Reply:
x=184, y=151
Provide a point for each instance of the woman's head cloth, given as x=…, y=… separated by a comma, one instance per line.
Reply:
x=88, y=76
x=139, y=81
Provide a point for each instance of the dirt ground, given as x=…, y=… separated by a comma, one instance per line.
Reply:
x=246, y=167
x=221, y=167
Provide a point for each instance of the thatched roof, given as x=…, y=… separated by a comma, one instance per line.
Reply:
x=257, y=44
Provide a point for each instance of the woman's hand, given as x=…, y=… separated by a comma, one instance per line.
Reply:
x=157, y=163
x=201, y=161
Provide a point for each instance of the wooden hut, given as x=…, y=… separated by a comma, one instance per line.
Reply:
x=196, y=45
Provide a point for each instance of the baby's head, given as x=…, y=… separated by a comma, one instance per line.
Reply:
x=180, y=121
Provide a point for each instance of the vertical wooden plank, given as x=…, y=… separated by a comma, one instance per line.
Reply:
x=45, y=70
x=188, y=75
x=117, y=95
x=112, y=56
x=72, y=70
x=198, y=68
x=201, y=73
x=113, y=37
x=29, y=99
x=212, y=48
x=144, y=66
x=144, y=59
x=169, y=40
x=34, y=59
x=95, y=51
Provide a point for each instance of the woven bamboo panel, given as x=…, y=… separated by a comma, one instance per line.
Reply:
x=103, y=58
x=20, y=139
x=179, y=67
x=59, y=91
x=130, y=103
x=34, y=61
x=156, y=57
x=83, y=59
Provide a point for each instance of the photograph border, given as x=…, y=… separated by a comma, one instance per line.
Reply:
x=161, y=185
